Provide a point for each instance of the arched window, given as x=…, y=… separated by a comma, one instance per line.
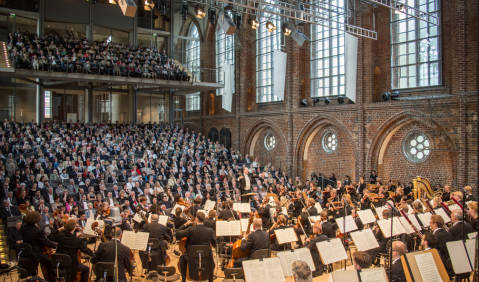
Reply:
x=225, y=137
x=193, y=51
x=213, y=135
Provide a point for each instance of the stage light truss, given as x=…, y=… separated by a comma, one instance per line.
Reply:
x=407, y=10
x=322, y=14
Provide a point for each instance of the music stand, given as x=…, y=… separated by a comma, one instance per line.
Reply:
x=232, y=273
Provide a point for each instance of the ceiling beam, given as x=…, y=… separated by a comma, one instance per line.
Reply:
x=30, y=81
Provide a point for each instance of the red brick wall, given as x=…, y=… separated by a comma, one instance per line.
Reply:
x=363, y=127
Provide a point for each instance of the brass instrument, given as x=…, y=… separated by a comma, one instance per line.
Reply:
x=422, y=185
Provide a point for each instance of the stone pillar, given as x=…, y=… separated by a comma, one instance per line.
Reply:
x=41, y=17
x=132, y=103
x=171, y=105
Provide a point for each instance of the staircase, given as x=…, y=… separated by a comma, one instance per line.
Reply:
x=193, y=78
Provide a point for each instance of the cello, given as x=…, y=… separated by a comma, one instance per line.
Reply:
x=237, y=253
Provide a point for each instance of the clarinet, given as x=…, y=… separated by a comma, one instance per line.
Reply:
x=434, y=213
x=418, y=232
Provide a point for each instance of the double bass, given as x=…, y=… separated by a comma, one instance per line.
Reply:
x=237, y=253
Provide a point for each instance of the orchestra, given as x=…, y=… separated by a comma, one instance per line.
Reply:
x=159, y=179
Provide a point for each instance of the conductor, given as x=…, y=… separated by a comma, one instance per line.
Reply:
x=246, y=181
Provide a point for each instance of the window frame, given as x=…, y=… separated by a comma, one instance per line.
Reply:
x=396, y=66
x=193, y=102
x=193, y=47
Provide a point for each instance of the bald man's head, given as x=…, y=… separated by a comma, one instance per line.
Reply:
x=258, y=223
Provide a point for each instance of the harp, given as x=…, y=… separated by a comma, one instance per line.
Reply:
x=423, y=189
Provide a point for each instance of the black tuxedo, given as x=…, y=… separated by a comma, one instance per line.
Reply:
x=442, y=238
x=69, y=244
x=243, y=187
x=258, y=240
x=197, y=235
x=398, y=271
x=456, y=230
x=227, y=214
x=159, y=232
x=106, y=253
x=311, y=245
x=328, y=229
x=266, y=215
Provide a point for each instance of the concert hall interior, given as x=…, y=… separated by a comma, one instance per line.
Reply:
x=239, y=140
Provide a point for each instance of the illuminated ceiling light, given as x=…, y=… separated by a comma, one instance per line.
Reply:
x=286, y=30
x=270, y=26
x=200, y=12
x=254, y=23
x=149, y=5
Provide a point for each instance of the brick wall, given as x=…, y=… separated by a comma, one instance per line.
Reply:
x=371, y=130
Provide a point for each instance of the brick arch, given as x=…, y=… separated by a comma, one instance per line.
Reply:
x=254, y=132
x=307, y=134
x=380, y=141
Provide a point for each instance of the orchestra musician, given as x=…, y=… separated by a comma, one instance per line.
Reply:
x=142, y=209
x=362, y=186
x=151, y=258
x=107, y=253
x=361, y=260
x=279, y=224
x=36, y=238
x=456, y=229
x=246, y=181
x=446, y=194
x=310, y=243
x=125, y=220
x=264, y=211
x=210, y=220
x=196, y=205
x=473, y=214
x=365, y=200
x=296, y=205
x=417, y=209
x=357, y=220
x=340, y=212
x=197, y=235
x=380, y=237
x=399, y=249
x=69, y=244
x=469, y=195
x=228, y=212
x=309, y=210
x=257, y=240
x=373, y=177
x=436, y=224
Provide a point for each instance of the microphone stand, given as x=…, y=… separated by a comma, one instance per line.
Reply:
x=344, y=227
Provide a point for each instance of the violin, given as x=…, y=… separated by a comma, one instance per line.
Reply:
x=60, y=216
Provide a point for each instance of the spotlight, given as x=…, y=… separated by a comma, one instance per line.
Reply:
x=238, y=20
x=315, y=101
x=394, y=95
x=270, y=26
x=327, y=101
x=386, y=96
x=212, y=15
x=149, y=5
x=162, y=8
x=340, y=100
x=303, y=103
x=254, y=23
x=184, y=10
x=200, y=12
x=286, y=30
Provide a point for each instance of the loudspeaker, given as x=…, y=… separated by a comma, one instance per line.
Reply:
x=226, y=23
x=128, y=7
x=300, y=7
x=299, y=37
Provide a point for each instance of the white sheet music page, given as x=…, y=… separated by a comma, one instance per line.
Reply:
x=137, y=218
x=425, y=218
x=314, y=218
x=459, y=257
x=366, y=216
x=373, y=275
x=127, y=238
x=407, y=227
x=427, y=268
x=332, y=251
x=454, y=207
x=350, y=224
x=235, y=228
x=379, y=211
x=287, y=258
x=304, y=254
x=364, y=240
x=222, y=228
x=472, y=235
x=177, y=206
x=471, y=249
x=281, y=236
x=291, y=234
x=318, y=207
x=244, y=224
x=163, y=219
x=141, y=241
x=443, y=214
x=273, y=267
x=209, y=205
x=254, y=271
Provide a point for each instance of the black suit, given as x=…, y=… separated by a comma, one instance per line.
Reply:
x=14, y=235
x=456, y=230
x=37, y=238
x=442, y=238
x=227, y=214
x=197, y=235
x=69, y=244
x=210, y=223
x=311, y=245
x=258, y=240
x=328, y=229
x=158, y=255
x=398, y=271
x=10, y=212
x=106, y=253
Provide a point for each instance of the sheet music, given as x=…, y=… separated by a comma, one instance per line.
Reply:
x=127, y=238
x=409, y=209
x=242, y=207
x=350, y=224
x=273, y=267
x=373, y=275
x=459, y=257
x=471, y=249
x=177, y=206
x=244, y=224
x=141, y=241
x=285, y=235
x=379, y=211
x=385, y=226
x=364, y=240
x=414, y=221
x=407, y=227
x=366, y=216
x=254, y=271
x=288, y=257
x=318, y=207
x=210, y=205
x=137, y=218
x=315, y=218
x=425, y=218
x=284, y=210
x=427, y=268
x=443, y=214
x=472, y=235
x=331, y=251
x=228, y=228
x=203, y=211
x=454, y=207
x=163, y=219
x=89, y=222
